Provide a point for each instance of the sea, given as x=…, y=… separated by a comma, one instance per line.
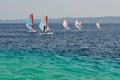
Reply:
x=88, y=54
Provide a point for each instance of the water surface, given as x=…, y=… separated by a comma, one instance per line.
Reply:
x=65, y=55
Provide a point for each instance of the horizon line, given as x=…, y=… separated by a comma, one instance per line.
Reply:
x=64, y=17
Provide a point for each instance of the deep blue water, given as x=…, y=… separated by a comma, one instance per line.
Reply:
x=65, y=55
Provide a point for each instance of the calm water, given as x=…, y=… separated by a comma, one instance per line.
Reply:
x=89, y=54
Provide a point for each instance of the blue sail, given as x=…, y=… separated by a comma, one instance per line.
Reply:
x=42, y=24
x=77, y=26
x=29, y=23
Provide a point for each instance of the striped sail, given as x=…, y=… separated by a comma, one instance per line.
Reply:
x=44, y=24
x=30, y=22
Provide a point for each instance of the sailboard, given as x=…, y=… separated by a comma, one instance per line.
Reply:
x=47, y=33
x=44, y=27
x=98, y=25
x=66, y=25
x=30, y=23
x=78, y=24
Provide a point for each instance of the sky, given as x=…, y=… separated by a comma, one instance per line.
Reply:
x=20, y=9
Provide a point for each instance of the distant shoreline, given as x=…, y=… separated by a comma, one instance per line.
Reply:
x=70, y=20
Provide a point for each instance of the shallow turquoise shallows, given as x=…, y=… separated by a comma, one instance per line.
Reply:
x=48, y=65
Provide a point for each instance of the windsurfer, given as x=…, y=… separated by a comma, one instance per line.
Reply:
x=44, y=28
x=99, y=26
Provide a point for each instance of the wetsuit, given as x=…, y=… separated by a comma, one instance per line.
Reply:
x=44, y=29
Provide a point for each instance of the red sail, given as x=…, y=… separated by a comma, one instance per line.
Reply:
x=46, y=21
x=32, y=19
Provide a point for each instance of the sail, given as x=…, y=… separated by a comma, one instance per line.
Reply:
x=32, y=19
x=30, y=22
x=66, y=25
x=78, y=24
x=44, y=24
x=98, y=25
x=46, y=20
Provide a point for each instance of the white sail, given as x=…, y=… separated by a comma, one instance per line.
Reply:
x=98, y=25
x=66, y=25
x=78, y=24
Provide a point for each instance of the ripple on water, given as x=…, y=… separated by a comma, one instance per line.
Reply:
x=72, y=55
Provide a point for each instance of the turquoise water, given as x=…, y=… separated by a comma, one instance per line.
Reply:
x=47, y=65
x=89, y=54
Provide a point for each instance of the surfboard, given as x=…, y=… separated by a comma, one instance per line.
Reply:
x=32, y=31
x=47, y=33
